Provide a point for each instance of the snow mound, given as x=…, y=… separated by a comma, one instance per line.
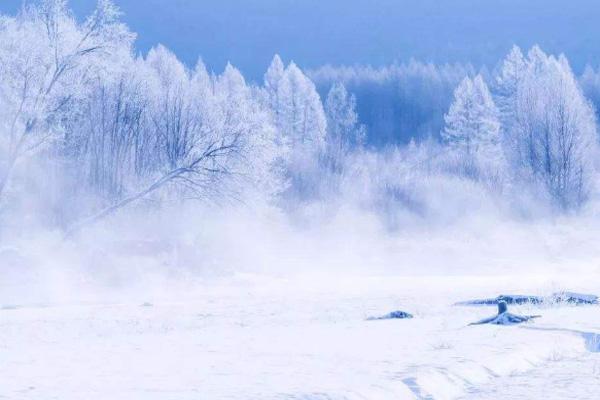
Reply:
x=392, y=315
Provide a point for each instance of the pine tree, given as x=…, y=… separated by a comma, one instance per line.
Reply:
x=300, y=122
x=507, y=81
x=274, y=74
x=472, y=128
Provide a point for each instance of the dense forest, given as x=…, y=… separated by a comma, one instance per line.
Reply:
x=90, y=128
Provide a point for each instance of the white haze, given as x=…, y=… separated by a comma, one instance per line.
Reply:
x=155, y=217
x=321, y=200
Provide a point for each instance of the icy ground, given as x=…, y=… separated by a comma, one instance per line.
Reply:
x=301, y=338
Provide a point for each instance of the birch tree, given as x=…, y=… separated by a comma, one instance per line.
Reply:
x=47, y=60
x=556, y=130
x=344, y=131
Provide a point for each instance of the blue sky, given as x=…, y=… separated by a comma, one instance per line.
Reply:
x=316, y=32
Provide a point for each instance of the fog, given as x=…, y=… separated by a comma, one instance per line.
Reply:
x=123, y=170
x=298, y=199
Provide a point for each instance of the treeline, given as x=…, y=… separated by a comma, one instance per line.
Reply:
x=400, y=102
x=87, y=127
x=535, y=127
x=524, y=136
x=530, y=120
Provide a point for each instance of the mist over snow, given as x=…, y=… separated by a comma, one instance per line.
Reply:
x=162, y=210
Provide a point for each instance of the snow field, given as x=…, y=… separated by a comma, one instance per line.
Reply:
x=255, y=338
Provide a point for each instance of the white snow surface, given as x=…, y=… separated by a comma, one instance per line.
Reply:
x=302, y=337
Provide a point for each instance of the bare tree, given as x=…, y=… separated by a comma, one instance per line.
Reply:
x=47, y=58
x=212, y=140
x=197, y=175
x=555, y=129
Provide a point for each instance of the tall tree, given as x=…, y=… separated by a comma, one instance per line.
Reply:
x=273, y=76
x=555, y=129
x=472, y=127
x=507, y=81
x=48, y=59
x=300, y=120
x=344, y=131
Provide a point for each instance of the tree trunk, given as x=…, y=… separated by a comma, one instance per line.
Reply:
x=117, y=206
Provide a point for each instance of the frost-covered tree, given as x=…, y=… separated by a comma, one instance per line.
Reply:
x=243, y=119
x=472, y=129
x=553, y=130
x=47, y=62
x=299, y=119
x=118, y=129
x=109, y=144
x=174, y=114
x=398, y=102
x=512, y=71
x=211, y=138
x=590, y=84
x=344, y=131
x=273, y=76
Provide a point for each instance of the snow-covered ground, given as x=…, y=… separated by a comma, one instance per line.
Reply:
x=568, y=378
x=251, y=337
